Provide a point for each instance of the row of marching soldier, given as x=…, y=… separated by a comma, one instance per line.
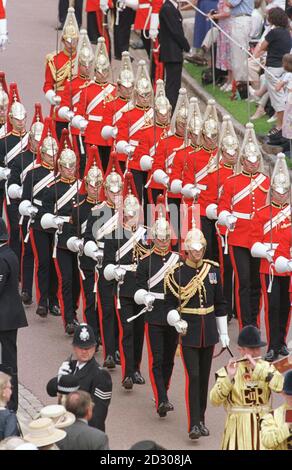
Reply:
x=133, y=208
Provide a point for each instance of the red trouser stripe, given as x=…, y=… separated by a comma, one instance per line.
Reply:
x=236, y=286
x=21, y=255
x=60, y=289
x=150, y=365
x=83, y=300
x=186, y=389
x=121, y=335
x=101, y=324
x=36, y=260
x=221, y=259
x=266, y=305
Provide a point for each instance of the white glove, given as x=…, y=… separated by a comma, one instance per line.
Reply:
x=211, y=211
x=65, y=369
x=230, y=222
x=59, y=221
x=4, y=173
x=161, y=177
x=33, y=211
x=181, y=327
x=260, y=250
x=79, y=122
x=134, y=4
x=52, y=98
x=283, y=264
x=108, y=132
x=190, y=191
x=3, y=34
x=75, y=244
x=66, y=113
x=149, y=300
x=223, y=330
x=104, y=5
x=154, y=23
x=119, y=274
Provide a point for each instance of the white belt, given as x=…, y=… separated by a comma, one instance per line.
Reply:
x=100, y=245
x=242, y=215
x=250, y=409
x=274, y=245
x=65, y=218
x=144, y=5
x=129, y=267
x=91, y=117
x=37, y=202
x=203, y=187
x=134, y=142
x=157, y=295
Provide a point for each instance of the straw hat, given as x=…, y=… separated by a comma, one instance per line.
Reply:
x=42, y=432
x=59, y=415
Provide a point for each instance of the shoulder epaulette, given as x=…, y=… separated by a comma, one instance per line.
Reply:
x=50, y=56
x=210, y=261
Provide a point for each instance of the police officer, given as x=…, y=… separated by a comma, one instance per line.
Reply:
x=161, y=338
x=91, y=377
x=12, y=315
x=194, y=300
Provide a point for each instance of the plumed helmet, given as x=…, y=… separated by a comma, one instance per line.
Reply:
x=70, y=29
x=101, y=59
x=194, y=117
x=195, y=240
x=210, y=126
x=126, y=74
x=280, y=180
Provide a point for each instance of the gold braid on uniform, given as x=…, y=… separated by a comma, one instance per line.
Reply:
x=195, y=285
x=62, y=73
x=140, y=251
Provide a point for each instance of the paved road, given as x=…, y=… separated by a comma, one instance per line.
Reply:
x=43, y=345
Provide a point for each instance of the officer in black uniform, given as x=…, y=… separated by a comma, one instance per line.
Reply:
x=12, y=315
x=12, y=148
x=196, y=308
x=19, y=170
x=34, y=186
x=122, y=253
x=89, y=196
x=91, y=377
x=101, y=223
x=161, y=338
x=57, y=204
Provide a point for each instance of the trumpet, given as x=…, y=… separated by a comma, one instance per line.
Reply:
x=246, y=359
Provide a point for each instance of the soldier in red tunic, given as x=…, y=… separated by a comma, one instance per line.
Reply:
x=59, y=68
x=90, y=109
x=242, y=195
x=73, y=90
x=3, y=25
x=267, y=231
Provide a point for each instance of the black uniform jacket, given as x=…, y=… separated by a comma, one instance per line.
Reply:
x=207, y=294
x=12, y=314
x=6, y=145
x=171, y=34
x=147, y=268
x=97, y=381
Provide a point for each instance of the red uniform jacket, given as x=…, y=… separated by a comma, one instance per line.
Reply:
x=267, y=228
x=94, y=5
x=242, y=195
x=57, y=70
x=130, y=128
x=142, y=19
x=113, y=112
x=71, y=96
x=215, y=183
x=91, y=105
x=165, y=154
x=2, y=11
x=197, y=171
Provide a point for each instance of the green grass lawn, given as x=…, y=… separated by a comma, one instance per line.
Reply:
x=237, y=108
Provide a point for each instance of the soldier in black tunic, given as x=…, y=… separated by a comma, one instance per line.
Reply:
x=196, y=308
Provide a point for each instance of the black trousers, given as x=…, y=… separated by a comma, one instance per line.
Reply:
x=122, y=31
x=132, y=336
x=108, y=319
x=104, y=153
x=226, y=270
x=8, y=363
x=46, y=276
x=63, y=8
x=89, y=302
x=277, y=310
x=162, y=343
x=81, y=146
x=197, y=363
x=27, y=261
x=59, y=127
x=247, y=285
x=13, y=221
x=173, y=71
x=2, y=194
x=68, y=282
x=209, y=231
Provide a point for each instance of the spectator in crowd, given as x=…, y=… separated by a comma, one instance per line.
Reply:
x=223, y=57
x=63, y=8
x=202, y=25
x=62, y=387
x=172, y=44
x=277, y=43
x=43, y=434
x=80, y=436
x=241, y=11
x=12, y=315
x=8, y=421
x=146, y=445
